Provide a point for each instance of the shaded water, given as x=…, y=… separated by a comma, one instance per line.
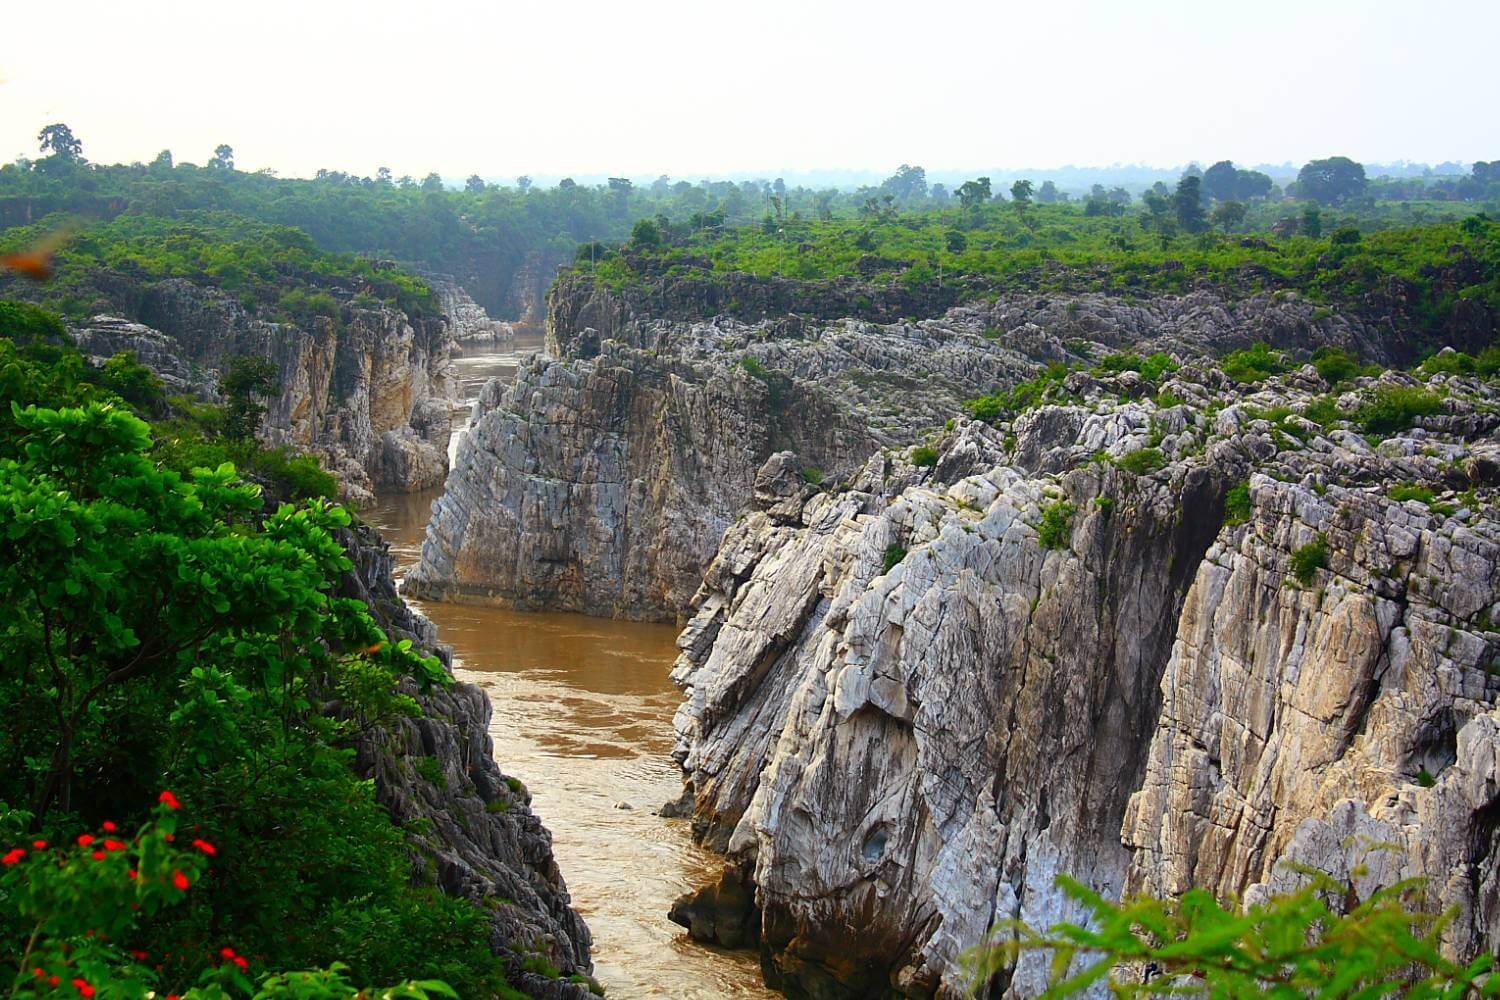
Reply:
x=583, y=715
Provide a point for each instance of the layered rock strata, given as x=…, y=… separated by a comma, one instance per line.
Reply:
x=369, y=390
x=912, y=703
x=467, y=318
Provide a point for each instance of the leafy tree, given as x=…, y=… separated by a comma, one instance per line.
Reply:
x=1187, y=204
x=474, y=184
x=383, y=176
x=523, y=183
x=973, y=194
x=1020, y=192
x=432, y=182
x=1312, y=222
x=1047, y=194
x=908, y=183
x=1221, y=181
x=646, y=233
x=223, y=157
x=162, y=162
x=1332, y=181
x=1229, y=214
x=58, y=140
x=246, y=381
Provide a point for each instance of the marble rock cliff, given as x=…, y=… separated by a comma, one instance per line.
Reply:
x=370, y=390
x=604, y=478
x=911, y=703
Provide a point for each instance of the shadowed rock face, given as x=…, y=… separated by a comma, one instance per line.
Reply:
x=371, y=392
x=467, y=318
x=905, y=716
x=499, y=858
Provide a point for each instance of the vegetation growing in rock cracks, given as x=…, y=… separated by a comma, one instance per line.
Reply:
x=167, y=626
x=1057, y=519
x=1309, y=558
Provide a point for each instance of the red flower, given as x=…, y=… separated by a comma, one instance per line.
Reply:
x=173, y=996
x=109, y=826
x=169, y=838
x=227, y=952
x=133, y=873
x=206, y=847
x=139, y=955
x=85, y=839
x=13, y=856
x=53, y=980
x=84, y=989
x=99, y=855
x=169, y=800
x=240, y=961
x=180, y=881
x=114, y=845
x=40, y=845
x=40, y=972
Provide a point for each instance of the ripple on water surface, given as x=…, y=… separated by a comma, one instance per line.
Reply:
x=583, y=715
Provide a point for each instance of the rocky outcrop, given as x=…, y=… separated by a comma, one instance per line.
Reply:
x=603, y=480
x=467, y=318
x=369, y=389
x=102, y=337
x=472, y=833
x=912, y=703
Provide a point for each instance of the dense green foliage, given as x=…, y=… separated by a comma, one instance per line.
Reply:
x=1321, y=941
x=1057, y=518
x=1058, y=247
x=1309, y=558
x=166, y=627
x=1395, y=408
x=276, y=272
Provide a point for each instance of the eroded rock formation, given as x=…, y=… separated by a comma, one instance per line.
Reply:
x=912, y=703
x=369, y=390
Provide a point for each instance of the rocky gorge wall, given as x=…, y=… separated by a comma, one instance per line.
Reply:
x=604, y=478
x=369, y=390
x=912, y=703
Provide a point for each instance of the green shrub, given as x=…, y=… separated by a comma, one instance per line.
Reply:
x=1411, y=491
x=1396, y=408
x=925, y=456
x=1323, y=411
x=754, y=367
x=1335, y=365
x=1253, y=364
x=1142, y=461
x=1237, y=508
x=813, y=476
x=1307, y=560
x=894, y=553
x=1298, y=944
x=1056, y=520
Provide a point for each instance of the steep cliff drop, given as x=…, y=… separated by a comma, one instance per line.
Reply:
x=913, y=703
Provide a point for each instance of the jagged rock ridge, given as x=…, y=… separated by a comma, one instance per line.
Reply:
x=906, y=715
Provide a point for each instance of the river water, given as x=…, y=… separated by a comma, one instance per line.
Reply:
x=583, y=715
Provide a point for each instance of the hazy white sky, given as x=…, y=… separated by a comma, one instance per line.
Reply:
x=712, y=87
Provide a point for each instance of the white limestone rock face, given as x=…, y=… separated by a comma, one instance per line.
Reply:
x=370, y=393
x=1310, y=722
x=468, y=319
x=904, y=715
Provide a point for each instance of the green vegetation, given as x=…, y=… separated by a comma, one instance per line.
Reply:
x=1411, y=491
x=167, y=626
x=1057, y=518
x=1296, y=945
x=1152, y=368
x=274, y=271
x=1254, y=364
x=1395, y=408
x=1308, y=559
x=1237, y=505
x=894, y=553
x=924, y=456
x=1142, y=461
x=1487, y=364
x=1335, y=365
x=813, y=476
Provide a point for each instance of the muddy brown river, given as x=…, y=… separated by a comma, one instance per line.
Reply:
x=583, y=715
